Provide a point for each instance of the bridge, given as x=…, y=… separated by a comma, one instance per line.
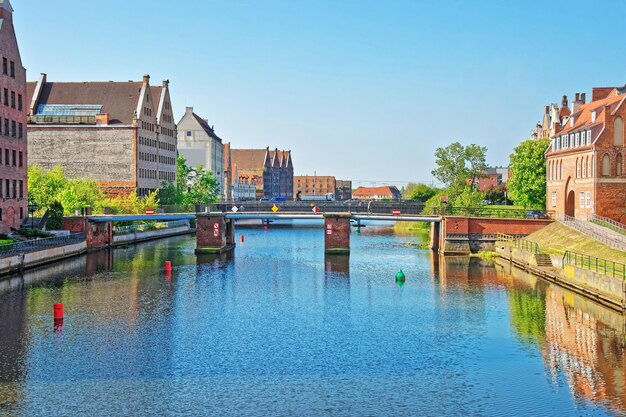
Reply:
x=461, y=233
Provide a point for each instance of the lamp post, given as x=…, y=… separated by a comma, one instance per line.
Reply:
x=32, y=207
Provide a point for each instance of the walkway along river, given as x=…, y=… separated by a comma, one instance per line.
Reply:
x=278, y=328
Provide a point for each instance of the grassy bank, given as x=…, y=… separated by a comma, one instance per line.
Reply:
x=557, y=238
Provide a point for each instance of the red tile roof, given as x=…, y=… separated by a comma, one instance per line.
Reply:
x=386, y=190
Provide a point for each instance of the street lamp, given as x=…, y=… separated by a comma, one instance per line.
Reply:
x=32, y=207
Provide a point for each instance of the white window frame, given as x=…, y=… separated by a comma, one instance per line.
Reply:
x=588, y=198
x=553, y=198
x=582, y=199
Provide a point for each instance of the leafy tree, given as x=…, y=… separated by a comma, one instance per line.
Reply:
x=43, y=187
x=78, y=193
x=55, y=216
x=422, y=192
x=457, y=163
x=527, y=184
x=495, y=195
x=202, y=187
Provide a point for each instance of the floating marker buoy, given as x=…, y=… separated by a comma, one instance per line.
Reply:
x=241, y=239
x=168, y=266
x=58, y=312
x=400, y=276
x=265, y=228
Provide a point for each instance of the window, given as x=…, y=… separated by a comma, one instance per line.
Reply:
x=12, y=69
x=582, y=199
x=593, y=117
x=189, y=133
x=21, y=212
x=13, y=153
x=589, y=137
x=21, y=162
x=577, y=168
x=618, y=132
x=5, y=66
x=13, y=128
x=19, y=102
x=619, y=165
x=6, y=96
x=20, y=131
x=6, y=157
x=553, y=198
x=14, y=188
x=12, y=99
x=588, y=199
x=584, y=168
x=21, y=189
x=577, y=139
x=606, y=165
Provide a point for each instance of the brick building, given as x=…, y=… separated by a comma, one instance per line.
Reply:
x=491, y=178
x=321, y=185
x=121, y=134
x=13, y=143
x=386, y=192
x=270, y=171
x=199, y=144
x=585, y=160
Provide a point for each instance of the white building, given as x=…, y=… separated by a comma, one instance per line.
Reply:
x=198, y=144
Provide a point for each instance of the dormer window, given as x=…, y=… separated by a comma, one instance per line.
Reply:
x=593, y=117
x=577, y=139
x=571, y=122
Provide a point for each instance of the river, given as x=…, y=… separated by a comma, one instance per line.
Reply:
x=278, y=329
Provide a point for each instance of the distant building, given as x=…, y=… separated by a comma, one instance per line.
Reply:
x=322, y=185
x=121, y=134
x=386, y=192
x=586, y=173
x=491, y=178
x=199, y=144
x=270, y=171
x=13, y=143
x=553, y=115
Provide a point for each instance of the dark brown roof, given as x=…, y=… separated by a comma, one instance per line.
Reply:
x=118, y=99
x=206, y=127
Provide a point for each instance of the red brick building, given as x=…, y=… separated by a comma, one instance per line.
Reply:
x=491, y=178
x=321, y=185
x=270, y=171
x=585, y=161
x=13, y=144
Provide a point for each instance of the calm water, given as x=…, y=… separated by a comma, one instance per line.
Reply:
x=277, y=329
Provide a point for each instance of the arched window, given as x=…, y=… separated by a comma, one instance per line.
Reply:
x=577, y=168
x=589, y=173
x=593, y=167
x=561, y=169
x=606, y=165
x=618, y=132
x=619, y=164
x=583, y=163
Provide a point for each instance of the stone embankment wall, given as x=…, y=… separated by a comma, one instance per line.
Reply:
x=149, y=235
x=466, y=235
x=28, y=260
x=605, y=289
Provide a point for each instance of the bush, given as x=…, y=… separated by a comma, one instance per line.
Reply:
x=55, y=216
x=33, y=233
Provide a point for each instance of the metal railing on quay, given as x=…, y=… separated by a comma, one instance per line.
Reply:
x=505, y=213
x=607, y=237
x=144, y=227
x=592, y=263
x=39, y=244
x=608, y=223
x=518, y=242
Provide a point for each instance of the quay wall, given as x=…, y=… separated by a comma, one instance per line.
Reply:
x=149, y=235
x=31, y=259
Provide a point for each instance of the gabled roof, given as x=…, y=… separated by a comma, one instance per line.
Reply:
x=205, y=126
x=118, y=99
x=248, y=158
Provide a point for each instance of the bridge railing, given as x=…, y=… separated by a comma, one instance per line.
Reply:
x=357, y=207
x=507, y=213
x=592, y=263
x=144, y=227
x=518, y=242
x=39, y=244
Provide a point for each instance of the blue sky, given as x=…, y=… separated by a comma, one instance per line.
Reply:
x=357, y=89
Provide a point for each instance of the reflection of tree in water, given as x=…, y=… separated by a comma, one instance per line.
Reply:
x=528, y=314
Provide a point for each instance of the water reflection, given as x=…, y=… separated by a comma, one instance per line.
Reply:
x=339, y=264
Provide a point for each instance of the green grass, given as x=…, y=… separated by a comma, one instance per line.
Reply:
x=556, y=239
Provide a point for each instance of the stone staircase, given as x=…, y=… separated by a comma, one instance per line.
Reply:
x=602, y=234
x=543, y=260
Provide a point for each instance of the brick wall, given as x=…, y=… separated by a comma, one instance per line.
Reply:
x=489, y=226
x=337, y=233
x=210, y=232
x=105, y=154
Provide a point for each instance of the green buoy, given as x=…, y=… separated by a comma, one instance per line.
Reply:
x=400, y=276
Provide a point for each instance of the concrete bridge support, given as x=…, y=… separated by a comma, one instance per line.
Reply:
x=214, y=233
x=337, y=233
x=435, y=231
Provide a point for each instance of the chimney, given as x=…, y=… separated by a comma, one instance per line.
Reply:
x=583, y=97
x=564, y=102
x=166, y=83
x=576, y=103
x=546, y=110
x=146, y=79
x=188, y=110
x=577, y=97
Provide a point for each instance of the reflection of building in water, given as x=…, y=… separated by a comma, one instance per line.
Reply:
x=337, y=263
x=12, y=349
x=589, y=352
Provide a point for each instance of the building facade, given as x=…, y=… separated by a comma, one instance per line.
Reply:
x=121, y=134
x=199, y=144
x=585, y=160
x=321, y=185
x=491, y=178
x=271, y=171
x=13, y=132
x=386, y=192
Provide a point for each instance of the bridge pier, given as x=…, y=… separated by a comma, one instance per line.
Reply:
x=337, y=233
x=214, y=233
x=98, y=235
x=435, y=232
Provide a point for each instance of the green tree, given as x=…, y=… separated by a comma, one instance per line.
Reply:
x=527, y=183
x=456, y=164
x=44, y=187
x=422, y=192
x=78, y=193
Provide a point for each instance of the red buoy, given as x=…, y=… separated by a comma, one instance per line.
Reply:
x=265, y=228
x=241, y=239
x=168, y=266
x=58, y=311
